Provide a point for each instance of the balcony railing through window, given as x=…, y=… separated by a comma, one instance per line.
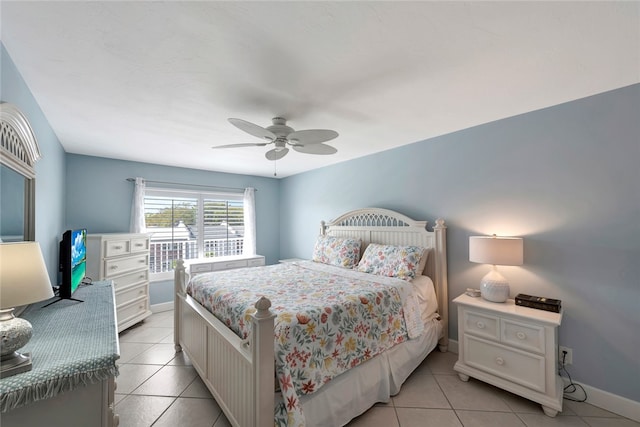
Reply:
x=163, y=255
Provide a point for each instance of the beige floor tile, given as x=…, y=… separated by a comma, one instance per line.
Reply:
x=472, y=394
x=129, y=350
x=158, y=354
x=197, y=389
x=180, y=359
x=418, y=417
x=489, y=419
x=584, y=409
x=222, y=422
x=421, y=391
x=441, y=363
x=163, y=319
x=378, y=416
x=168, y=381
x=541, y=420
x=131, y=376
x=610, y=422
x=141, y=411
x=190, y=412
x=142, y=334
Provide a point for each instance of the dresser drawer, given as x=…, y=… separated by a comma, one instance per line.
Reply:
x=139, y=244
x=255, y=262
x=522, y=335
x=117, y=247
x=131, y=294
x=129, y=279
x=226, y=265
x=131, y=310
x=481, y=324
x=113, y=267
x=510, y=364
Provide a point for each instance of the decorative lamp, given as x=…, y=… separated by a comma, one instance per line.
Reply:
x=23, y=280
x=496, y=251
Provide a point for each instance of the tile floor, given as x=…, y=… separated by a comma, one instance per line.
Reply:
x=158, y=388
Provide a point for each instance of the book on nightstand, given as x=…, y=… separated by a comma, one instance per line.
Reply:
x=540, y=303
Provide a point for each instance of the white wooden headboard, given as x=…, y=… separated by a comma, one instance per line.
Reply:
x=384, y=226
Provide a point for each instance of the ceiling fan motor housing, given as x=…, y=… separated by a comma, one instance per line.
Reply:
x=280, y=128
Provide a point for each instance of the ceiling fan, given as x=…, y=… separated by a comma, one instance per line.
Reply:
x=282, y=136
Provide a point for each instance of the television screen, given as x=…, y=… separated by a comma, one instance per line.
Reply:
x=73, y=261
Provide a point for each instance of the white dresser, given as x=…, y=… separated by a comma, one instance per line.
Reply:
x=512, y=347
x=203, y=265
x=124, y=259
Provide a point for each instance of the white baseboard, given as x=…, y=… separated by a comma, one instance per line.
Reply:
x=602, y=399
x=610, y=402
x=165, y=306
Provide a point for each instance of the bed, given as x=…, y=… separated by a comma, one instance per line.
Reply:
x=241, y=359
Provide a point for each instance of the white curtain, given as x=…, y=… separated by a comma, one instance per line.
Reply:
x=137, y=208
x=249, y=202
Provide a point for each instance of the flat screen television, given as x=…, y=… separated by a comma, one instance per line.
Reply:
x=73, y=261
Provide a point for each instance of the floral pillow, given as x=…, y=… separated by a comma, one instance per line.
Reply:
x=391, y=261
x=337, y=251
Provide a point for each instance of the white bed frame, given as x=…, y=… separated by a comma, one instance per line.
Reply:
x=240, y=373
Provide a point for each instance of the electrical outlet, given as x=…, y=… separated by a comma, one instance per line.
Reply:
x=568, y=358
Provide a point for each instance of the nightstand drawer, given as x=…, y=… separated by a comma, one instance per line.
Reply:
x=481, y=324
x=510, y=364
x=524, y=336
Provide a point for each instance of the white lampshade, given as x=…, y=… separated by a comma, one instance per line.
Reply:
x=496, y=250
x=23, y=275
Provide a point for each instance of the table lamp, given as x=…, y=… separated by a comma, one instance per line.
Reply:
x=496, y=251
x=23, y=280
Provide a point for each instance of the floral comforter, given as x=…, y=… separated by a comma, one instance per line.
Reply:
x=329, y=319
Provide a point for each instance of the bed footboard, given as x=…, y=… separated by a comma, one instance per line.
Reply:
x=238, y=373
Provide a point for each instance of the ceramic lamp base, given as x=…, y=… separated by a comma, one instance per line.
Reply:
x=494, y=287
x=15, y=333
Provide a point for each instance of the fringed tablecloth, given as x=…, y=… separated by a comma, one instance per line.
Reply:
x=73, y=344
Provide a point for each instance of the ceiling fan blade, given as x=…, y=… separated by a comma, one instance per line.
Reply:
x=312, y=136
x=259, y=144
x=315, y=149
x=276, y=153
x=252, y=129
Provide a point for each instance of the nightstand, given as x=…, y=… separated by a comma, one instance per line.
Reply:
x=511, y=347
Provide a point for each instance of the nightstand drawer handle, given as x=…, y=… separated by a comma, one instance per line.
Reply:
x=499, y=360
x=480, y=325
x=521, y=335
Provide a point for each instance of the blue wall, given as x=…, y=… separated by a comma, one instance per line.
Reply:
x=50, y=181
x=99, y=198
x=565, y=178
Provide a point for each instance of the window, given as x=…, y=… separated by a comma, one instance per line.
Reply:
x=189, y=224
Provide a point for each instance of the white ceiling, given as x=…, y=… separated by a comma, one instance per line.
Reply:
x=156, y=81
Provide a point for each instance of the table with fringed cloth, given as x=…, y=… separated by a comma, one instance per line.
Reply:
x=73, y=344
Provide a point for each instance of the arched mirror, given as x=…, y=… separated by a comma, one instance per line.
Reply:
x=18, y=154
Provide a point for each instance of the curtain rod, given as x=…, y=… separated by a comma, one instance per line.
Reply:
x=213, y=187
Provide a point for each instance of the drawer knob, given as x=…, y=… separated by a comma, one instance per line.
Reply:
x=521, y=335
x=113, y=267
x=118, y=247
x=480, y=325
x=499, y=360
